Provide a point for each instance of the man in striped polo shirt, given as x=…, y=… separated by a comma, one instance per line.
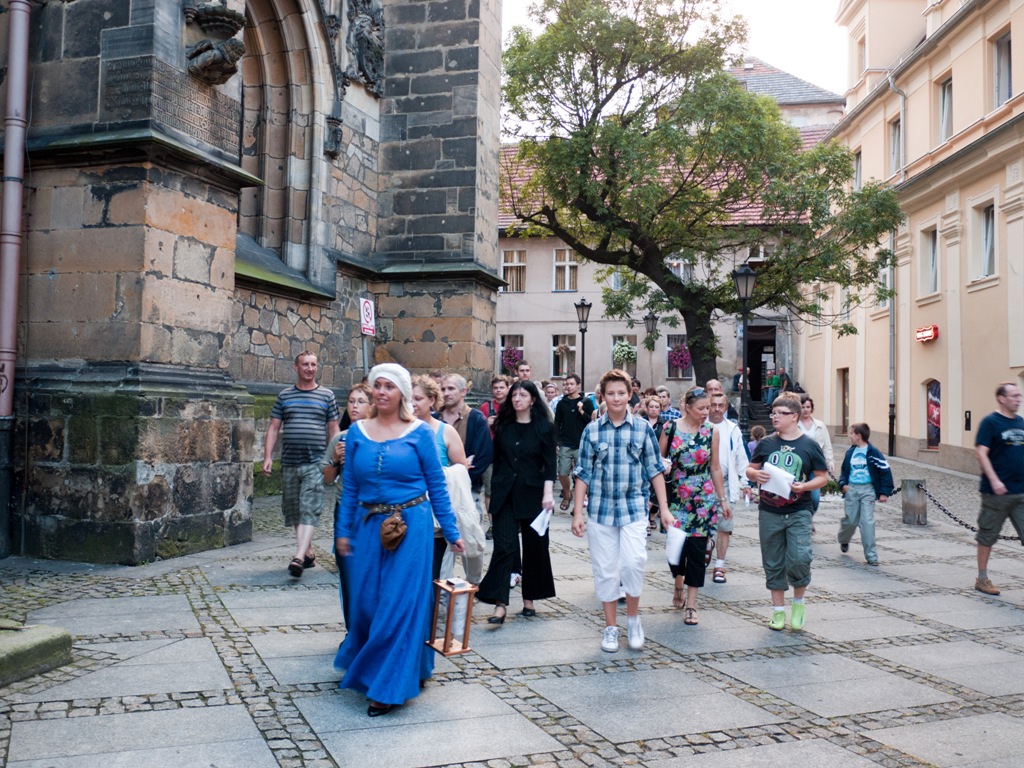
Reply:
x=305, y=416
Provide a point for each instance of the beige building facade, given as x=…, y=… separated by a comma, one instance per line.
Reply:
x=935, y=110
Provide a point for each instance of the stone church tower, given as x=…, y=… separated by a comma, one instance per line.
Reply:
x=211, y=188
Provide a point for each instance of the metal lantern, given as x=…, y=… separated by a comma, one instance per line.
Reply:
x=455, y=616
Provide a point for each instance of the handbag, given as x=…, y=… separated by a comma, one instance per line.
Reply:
x=392, y=531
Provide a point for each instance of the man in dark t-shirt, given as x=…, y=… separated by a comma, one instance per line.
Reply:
x=784, y=521
x=572, y=414
x=1000, y=451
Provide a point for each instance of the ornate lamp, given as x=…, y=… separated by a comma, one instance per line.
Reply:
x=583, y=315
x=744, y=278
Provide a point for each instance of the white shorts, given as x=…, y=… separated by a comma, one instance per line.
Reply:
x=618, y=555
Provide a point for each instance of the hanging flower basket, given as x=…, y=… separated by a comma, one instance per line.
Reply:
x=623, y=352
x=563, y=350
x=510, y=358
x=679, y=357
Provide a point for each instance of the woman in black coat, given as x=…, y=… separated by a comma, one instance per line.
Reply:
x=521, y=486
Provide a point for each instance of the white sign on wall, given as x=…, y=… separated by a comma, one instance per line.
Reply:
x=367, y=317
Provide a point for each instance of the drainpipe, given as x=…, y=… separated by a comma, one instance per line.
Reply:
x=903, y=126
x=892, y=353
x=892, y=248
x=15, y=126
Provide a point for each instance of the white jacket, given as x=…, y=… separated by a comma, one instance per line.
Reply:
x=732, y=456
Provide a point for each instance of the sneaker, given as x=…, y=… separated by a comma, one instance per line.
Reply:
x=778, y=621
x=515, y=580
x=610, y=640
x=874, y=563
x=796, y=619
x=634, y=633
x=490, y=533
x=844, y=547
x=986, y=586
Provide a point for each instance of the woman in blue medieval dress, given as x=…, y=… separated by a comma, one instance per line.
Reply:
x=391, y=462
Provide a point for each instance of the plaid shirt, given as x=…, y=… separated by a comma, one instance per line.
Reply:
x=671, y=414
x=617, y=464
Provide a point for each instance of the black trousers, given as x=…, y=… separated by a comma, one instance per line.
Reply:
x=538, y=580
x=691, y=565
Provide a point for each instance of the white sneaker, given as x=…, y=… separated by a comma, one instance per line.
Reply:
x=634, y=633
x=515, y=581
x=610, y=641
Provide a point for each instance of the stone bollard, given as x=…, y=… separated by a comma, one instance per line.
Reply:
x=915, y=503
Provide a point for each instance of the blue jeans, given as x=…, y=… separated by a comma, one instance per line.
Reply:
x=770, y=393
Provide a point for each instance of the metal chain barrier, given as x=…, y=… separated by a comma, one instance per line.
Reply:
x=953, y=517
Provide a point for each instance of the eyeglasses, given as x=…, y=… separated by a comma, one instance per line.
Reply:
x=783, y=413
x=695, y=394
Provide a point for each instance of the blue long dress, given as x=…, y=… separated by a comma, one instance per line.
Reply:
x=385, y=654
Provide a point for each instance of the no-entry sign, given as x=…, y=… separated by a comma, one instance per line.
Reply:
x=367, y=317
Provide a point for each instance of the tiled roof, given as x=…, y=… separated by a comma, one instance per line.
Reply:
x=812, y=135
x=788, y=90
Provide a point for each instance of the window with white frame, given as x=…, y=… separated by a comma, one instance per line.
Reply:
x=885, y=283
x=624, y=353
x=563, y=354
x=895, y=145
x=858, y=170
x=681, y=269
x=566, y=264
x=945, y=109
x=676, y=354
x=929, y=265
x=513, y=271
x=1002, y=79
x=985, y=241
x=508, y=341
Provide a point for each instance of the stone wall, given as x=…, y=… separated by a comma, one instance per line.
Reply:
x=271, y=330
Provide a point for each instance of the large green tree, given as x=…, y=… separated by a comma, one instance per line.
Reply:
x=639, y=151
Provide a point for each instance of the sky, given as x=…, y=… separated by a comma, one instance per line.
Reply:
x=796, y=36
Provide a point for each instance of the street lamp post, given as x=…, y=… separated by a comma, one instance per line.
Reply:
x=651, y=325
x=744, y=279
x=583, y=314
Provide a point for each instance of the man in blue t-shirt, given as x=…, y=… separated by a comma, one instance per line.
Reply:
x=1000, y=450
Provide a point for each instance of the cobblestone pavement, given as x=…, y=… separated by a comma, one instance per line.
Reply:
x=221, y=659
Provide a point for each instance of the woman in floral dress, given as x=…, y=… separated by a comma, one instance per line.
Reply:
x=696, y=494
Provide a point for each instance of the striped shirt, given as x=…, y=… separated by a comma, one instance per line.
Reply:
x=304, y=415
x=618, y=464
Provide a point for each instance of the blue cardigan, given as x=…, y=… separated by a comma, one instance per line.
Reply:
x=878, y=468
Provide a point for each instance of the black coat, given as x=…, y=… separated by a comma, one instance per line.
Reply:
x=524, y=458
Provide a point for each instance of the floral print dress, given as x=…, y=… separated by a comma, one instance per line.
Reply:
x=694, y=502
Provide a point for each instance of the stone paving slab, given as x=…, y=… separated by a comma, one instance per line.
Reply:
x=119, y=615
x=653, y=704
x=184, y=665
x=454, y=723
x=189, y=737
x=814, y=753
x=991, y=739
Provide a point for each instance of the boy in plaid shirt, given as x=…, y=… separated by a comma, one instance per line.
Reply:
x=618, y=462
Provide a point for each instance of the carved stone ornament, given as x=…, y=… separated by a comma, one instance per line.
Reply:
x=214, y=59
x=365, y=44
x=333, y=139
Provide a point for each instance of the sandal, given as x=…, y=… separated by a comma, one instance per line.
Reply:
x=309, y=562
x=295, y=567
x=719, y=576
x=709, y=551
x=565, y=504
x=691, y=617
x=678, y=601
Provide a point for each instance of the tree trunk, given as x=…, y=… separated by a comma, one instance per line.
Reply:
x=702, y=343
